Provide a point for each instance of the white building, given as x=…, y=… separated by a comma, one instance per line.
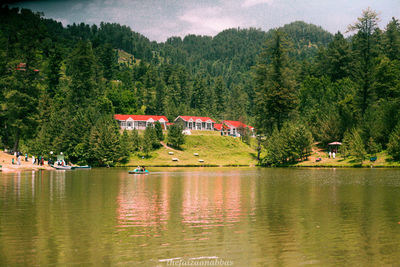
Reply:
x=139, y=122
x=195, y=123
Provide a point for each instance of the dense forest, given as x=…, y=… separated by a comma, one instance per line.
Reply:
x=297, y=84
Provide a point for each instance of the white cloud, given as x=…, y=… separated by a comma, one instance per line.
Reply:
x=250, y=3
x=208, y=20
x=63, y=21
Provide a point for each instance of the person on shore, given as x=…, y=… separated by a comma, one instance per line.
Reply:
x=333, y=155
x=42, y=163
x=330, y=154
x=33, y=160
x=39, y=158
x=12, y=161
x=26, y=157
x=19, y=160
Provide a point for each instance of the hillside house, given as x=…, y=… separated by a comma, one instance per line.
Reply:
x=221, y=128
x=235, y=127
x=195, y=123
x=139, y=122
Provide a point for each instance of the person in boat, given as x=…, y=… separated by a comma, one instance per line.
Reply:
x=143, y=168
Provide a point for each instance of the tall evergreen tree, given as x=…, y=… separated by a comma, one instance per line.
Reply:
x=275, y=90
x=392, y=40
x=220, y=95
x=338, y=58
x=365, y=46
x=82, y=69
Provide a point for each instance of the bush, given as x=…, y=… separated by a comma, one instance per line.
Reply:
x=175, y=136
x=393, y=146
x=126, y=146
x=159, y=132
x=105, y=142
x=290, y=144
x=373, y=147
x=353, y=145
x=135, y=140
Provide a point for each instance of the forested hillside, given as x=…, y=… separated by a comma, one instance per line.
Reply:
x=60, y=86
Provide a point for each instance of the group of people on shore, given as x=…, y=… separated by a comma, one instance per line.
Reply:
x=38, y=160
x=18, y=156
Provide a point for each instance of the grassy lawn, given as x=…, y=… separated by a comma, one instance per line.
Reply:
x=213, y=149
x=383, y=160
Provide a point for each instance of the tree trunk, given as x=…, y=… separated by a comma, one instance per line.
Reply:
x=16, y=144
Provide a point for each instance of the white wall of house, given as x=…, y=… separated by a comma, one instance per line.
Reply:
x=130, y=124
x=196, y=125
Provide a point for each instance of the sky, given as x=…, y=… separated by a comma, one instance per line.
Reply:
x=161, y=19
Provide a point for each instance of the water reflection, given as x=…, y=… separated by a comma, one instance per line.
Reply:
x=138, y=206
x=249, y=216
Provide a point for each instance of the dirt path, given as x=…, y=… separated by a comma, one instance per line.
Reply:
x=167, y=147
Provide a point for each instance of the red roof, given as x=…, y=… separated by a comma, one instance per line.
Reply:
x=187, y=118
x=218, y=126
x=121, y=117
x=237, y=124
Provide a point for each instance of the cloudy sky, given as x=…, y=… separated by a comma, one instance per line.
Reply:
x=160, y=19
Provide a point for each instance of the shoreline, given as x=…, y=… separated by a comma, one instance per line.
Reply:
x=48, y=168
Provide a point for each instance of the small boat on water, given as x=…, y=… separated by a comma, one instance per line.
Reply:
x=138, y=171
x=60, y=167
x=81, y=167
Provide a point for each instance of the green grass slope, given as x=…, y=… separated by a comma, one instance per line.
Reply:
x=215, y=150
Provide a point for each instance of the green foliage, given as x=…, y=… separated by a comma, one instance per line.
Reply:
x=346, y=144
x=150, y=140
x=366, y=48
x=105, y=146
x=175, y=136
x=293, y=142
x=134, y=140
x=126, y=146
x=274, y=86
x=353, y=145
x=244, y=135
x=159, y=131
x=372, y=147
x=393, y=146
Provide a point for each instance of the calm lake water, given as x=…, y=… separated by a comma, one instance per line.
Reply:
x=239, y=217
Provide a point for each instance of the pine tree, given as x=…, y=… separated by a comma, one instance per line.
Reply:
x=82, y=69
x=126, y=146
x=275, y=91
x=393, y=147
x=175, y=136
x=159, y=131
x=105, y=144
x=135, y=140
x=392, y=40
x=338, y=58
x=365, y=46
x=220, y=95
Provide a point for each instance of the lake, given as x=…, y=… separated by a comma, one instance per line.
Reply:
x=224, y=216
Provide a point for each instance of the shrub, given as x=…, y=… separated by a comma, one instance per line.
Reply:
x=175, y=136
x=290, y=144
x=393, y=146
x=159, y=132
